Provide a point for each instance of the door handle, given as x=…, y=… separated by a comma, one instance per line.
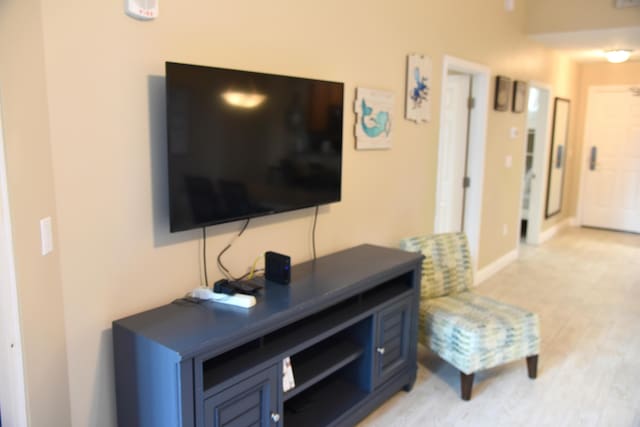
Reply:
x=594, y=158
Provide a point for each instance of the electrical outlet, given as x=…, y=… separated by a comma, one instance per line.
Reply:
x=505, y=229
x=509, y=5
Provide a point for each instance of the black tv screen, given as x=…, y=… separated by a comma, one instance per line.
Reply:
x=244, y=144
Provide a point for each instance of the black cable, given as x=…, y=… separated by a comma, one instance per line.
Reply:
x=204, y=256
x=221, y=266
x=313, y=233
x=224, y=270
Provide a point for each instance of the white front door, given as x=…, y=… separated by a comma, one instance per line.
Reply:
x=611, y=181
x=455, y=122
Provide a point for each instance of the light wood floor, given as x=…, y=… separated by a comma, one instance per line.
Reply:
x=585, y=286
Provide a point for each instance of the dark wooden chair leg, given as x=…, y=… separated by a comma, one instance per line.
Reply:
x=532, y=366
x=466, y=384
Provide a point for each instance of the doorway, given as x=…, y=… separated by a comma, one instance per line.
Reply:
x=13, y=409
x=610, y=196
x=534, y=178
x=461, y=149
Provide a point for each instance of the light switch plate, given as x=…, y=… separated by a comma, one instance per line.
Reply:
x=46, y=235
x=508, y=161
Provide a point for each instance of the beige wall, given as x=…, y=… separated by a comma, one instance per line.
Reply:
x=103, y=112
x=597, y=74
x=551, y=16
x=31, y=194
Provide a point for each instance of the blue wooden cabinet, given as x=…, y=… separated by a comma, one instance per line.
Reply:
x=393, y=343
x=347, y=321
x=252, y=401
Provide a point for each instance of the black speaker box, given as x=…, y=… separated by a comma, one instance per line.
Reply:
x=277, y=267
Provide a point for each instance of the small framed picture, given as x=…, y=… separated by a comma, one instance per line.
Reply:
x=519, y=96
x=374, y=112
x=418, y=101
x=503, y=93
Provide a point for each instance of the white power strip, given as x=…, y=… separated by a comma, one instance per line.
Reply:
x=238, y=300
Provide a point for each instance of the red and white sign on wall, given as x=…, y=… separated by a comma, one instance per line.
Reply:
x=142, y=9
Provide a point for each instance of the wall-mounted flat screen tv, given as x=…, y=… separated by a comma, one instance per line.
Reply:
x=244, y=144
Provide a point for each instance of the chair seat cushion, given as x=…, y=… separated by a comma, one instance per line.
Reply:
x=473, y=332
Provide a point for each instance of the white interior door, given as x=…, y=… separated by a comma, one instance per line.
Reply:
x=12, y=389
x=453, y=161
x=611, y=177
x=480, y=82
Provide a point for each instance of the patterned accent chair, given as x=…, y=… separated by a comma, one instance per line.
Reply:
x=469, y=331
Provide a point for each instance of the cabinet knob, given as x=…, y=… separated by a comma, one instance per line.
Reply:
x=380, y=350
x=275, y=417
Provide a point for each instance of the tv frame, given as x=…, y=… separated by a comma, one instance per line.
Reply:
x=172, y=226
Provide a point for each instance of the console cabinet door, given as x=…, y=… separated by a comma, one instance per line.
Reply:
x=392, y=340
x=250, y=402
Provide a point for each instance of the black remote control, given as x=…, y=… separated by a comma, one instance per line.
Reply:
x=223, y=286
x=246, y=287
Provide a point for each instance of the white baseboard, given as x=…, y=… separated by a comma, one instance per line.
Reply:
x=509, y=257
x=495, y=266
x=552, y=231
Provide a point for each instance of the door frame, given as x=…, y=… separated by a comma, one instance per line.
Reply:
x=539, y=184
x=584, y=157
x=480, y=75
x=12, y=389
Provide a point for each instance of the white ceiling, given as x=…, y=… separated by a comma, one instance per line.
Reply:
x=588, y=46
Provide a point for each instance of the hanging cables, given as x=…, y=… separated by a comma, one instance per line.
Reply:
x=313, y=233
x=204, y=256
x=224, y=270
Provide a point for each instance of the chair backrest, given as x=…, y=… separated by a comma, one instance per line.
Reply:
x=447, y=267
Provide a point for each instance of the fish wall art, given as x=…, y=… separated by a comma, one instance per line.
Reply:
x=374, y=118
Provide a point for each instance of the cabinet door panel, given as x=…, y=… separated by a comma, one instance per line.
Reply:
x=392, y=340
x=249, y=402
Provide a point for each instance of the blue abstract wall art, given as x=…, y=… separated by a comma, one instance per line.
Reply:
x=418, y=100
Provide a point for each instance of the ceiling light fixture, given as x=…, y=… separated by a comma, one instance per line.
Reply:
x=618, y=55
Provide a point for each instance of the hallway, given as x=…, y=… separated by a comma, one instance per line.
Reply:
x=585, y=286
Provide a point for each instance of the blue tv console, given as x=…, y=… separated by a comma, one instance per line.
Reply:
x=348, y=321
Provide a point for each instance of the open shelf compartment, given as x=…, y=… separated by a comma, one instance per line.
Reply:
x=324, y=403
x=321, y=360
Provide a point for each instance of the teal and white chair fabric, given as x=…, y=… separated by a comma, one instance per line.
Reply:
x=469, y=331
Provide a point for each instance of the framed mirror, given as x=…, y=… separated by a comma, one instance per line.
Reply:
x=559, y=136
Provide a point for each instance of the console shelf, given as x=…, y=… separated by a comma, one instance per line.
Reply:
x=204, y=365
x=318, y=362
x=323, y=404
